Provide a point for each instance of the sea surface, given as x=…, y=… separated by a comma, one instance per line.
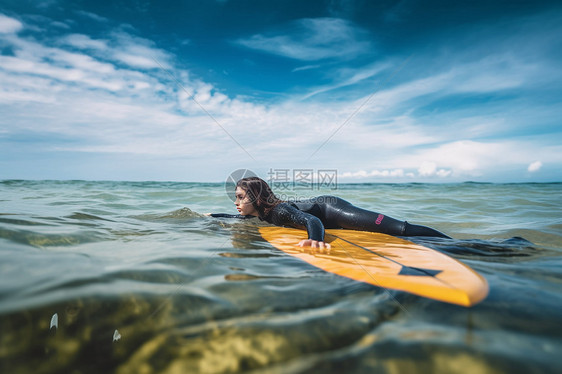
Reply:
x=123, y=277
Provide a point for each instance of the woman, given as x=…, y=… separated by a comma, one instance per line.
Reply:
x=254, y=198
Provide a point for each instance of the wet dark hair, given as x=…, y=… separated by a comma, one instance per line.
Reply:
x=260, y=195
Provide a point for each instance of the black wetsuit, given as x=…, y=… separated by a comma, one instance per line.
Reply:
x=332, y=212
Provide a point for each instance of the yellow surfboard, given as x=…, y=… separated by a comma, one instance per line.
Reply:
x=388, y=262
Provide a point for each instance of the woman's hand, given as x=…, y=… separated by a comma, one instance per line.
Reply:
x=314, y=244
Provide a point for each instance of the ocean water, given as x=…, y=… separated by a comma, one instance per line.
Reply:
x=118, y=277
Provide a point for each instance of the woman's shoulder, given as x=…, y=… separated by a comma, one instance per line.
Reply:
x=282, y=206
x=282, y=209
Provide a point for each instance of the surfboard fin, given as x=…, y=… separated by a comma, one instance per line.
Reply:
x=408, y=270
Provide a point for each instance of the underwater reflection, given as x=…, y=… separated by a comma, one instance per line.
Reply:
x=245, y=235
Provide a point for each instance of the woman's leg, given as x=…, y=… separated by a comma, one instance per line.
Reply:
x=418, y=230
x=339, y=213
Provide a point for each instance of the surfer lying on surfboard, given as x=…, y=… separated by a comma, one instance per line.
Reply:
x=254, y=198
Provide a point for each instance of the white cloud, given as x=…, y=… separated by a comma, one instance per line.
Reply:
x=494, y=72
x=133, y=51
x=60, y=25
x=312, y=39
x=468, y=158
x=464, y=157
x=103, y=107
x=90, y=68
x=429, y=169
x=92, y=16
x=81, y=76
x=138, y=52
x=84, y=42
x=534, y=166
x=425, y=170
x=136, y=60
x=110, y=96
x=362, y=174
x=348, y=77
x=306, y=67
x=9, y=25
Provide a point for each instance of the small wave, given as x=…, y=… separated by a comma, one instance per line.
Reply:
x=237, y=277
x=513, y=247
x=85, y=216
x=40, y=240
x=183, y=213
x=20, y=222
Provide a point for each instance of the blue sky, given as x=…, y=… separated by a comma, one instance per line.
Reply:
x=381, y=91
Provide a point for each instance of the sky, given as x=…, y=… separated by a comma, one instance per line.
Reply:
x=373, y=91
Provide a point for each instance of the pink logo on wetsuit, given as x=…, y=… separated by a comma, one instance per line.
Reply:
x=379, y=219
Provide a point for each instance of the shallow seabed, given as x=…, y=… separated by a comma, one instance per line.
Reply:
x=132, y=278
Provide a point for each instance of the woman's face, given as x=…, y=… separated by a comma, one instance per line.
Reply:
x=243, y=203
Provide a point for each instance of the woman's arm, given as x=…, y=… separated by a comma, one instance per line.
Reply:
x=226, y=215
x=287, y=215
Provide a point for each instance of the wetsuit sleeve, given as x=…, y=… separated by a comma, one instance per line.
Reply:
x=225, y=215
x=287, y=215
